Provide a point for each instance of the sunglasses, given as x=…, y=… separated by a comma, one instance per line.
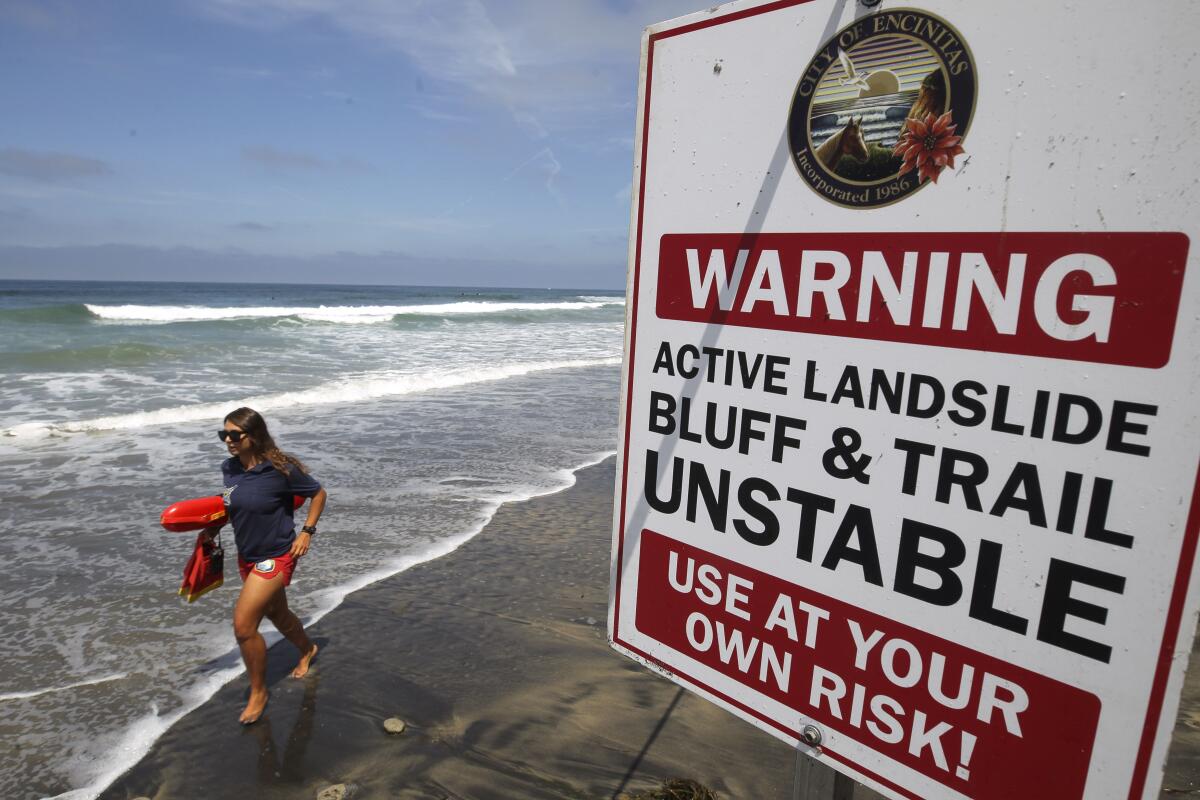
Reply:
x=231, y=436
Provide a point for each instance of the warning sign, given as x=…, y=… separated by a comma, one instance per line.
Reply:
x=909, y=445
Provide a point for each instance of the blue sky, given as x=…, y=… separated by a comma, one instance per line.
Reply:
x=463, y=139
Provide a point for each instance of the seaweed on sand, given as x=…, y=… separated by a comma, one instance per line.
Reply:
x=675, y=789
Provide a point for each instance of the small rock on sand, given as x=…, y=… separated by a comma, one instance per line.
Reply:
x=339, y=791
x=394, y=725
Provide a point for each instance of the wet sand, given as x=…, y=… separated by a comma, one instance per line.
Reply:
x=496, y=658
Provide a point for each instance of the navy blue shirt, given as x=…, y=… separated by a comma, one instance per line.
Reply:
x=260, y=506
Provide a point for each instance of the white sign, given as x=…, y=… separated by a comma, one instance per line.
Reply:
x=909, y=444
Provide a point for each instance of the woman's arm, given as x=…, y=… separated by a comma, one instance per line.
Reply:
x=315, y=507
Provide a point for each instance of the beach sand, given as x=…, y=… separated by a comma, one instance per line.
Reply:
x=496, y=657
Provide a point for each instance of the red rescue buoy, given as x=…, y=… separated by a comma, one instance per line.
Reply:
x=199, y=513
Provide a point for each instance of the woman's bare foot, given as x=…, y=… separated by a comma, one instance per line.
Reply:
x=255, y=707
x=305, y=660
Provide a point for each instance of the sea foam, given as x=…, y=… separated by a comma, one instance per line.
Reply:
x=141, y=736
x=352, y=315
x=371, y=386
x=38, y=692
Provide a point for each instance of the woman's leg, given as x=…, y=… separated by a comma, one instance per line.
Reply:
x=287, y=623
x=257, y=594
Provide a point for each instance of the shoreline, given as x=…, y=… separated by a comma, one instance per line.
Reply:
x=226, y=667
x=497, y=657
x=32, y=431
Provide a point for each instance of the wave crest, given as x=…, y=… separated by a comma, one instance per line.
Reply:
x=348, y=390
x=66, y=314
x=353, y=315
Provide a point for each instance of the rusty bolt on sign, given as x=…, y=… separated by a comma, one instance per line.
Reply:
x=810, y=735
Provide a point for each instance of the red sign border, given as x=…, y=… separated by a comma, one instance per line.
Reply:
x=1183, y=572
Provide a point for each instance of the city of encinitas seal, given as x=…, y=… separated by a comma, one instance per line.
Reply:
x=882, y=108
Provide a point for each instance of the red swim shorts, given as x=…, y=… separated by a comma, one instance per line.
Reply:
x=268, y=568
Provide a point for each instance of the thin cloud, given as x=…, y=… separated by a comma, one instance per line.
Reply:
x=552, y=168
x=431, y=224
x=604, y=236
x=274, y=158
x=269, y=156
x=439, y=116
x=251, y=73
x=530, y=124
x=16, y=220
x=552, y=65
x=455, y=37
x=42, y=15
x=545, y=162
x=354, y=165
x=254, y=227
x=49, y=166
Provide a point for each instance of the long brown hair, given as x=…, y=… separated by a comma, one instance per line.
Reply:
x=255, y=426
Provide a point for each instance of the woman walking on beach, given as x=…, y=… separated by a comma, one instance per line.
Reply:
x=260, y=481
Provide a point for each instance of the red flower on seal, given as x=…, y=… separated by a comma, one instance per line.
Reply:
x=928, y=146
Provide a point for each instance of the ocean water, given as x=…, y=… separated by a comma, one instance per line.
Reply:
x=881, y=118
x=420, y=409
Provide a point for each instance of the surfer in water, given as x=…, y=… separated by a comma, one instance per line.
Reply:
x=260, y=481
